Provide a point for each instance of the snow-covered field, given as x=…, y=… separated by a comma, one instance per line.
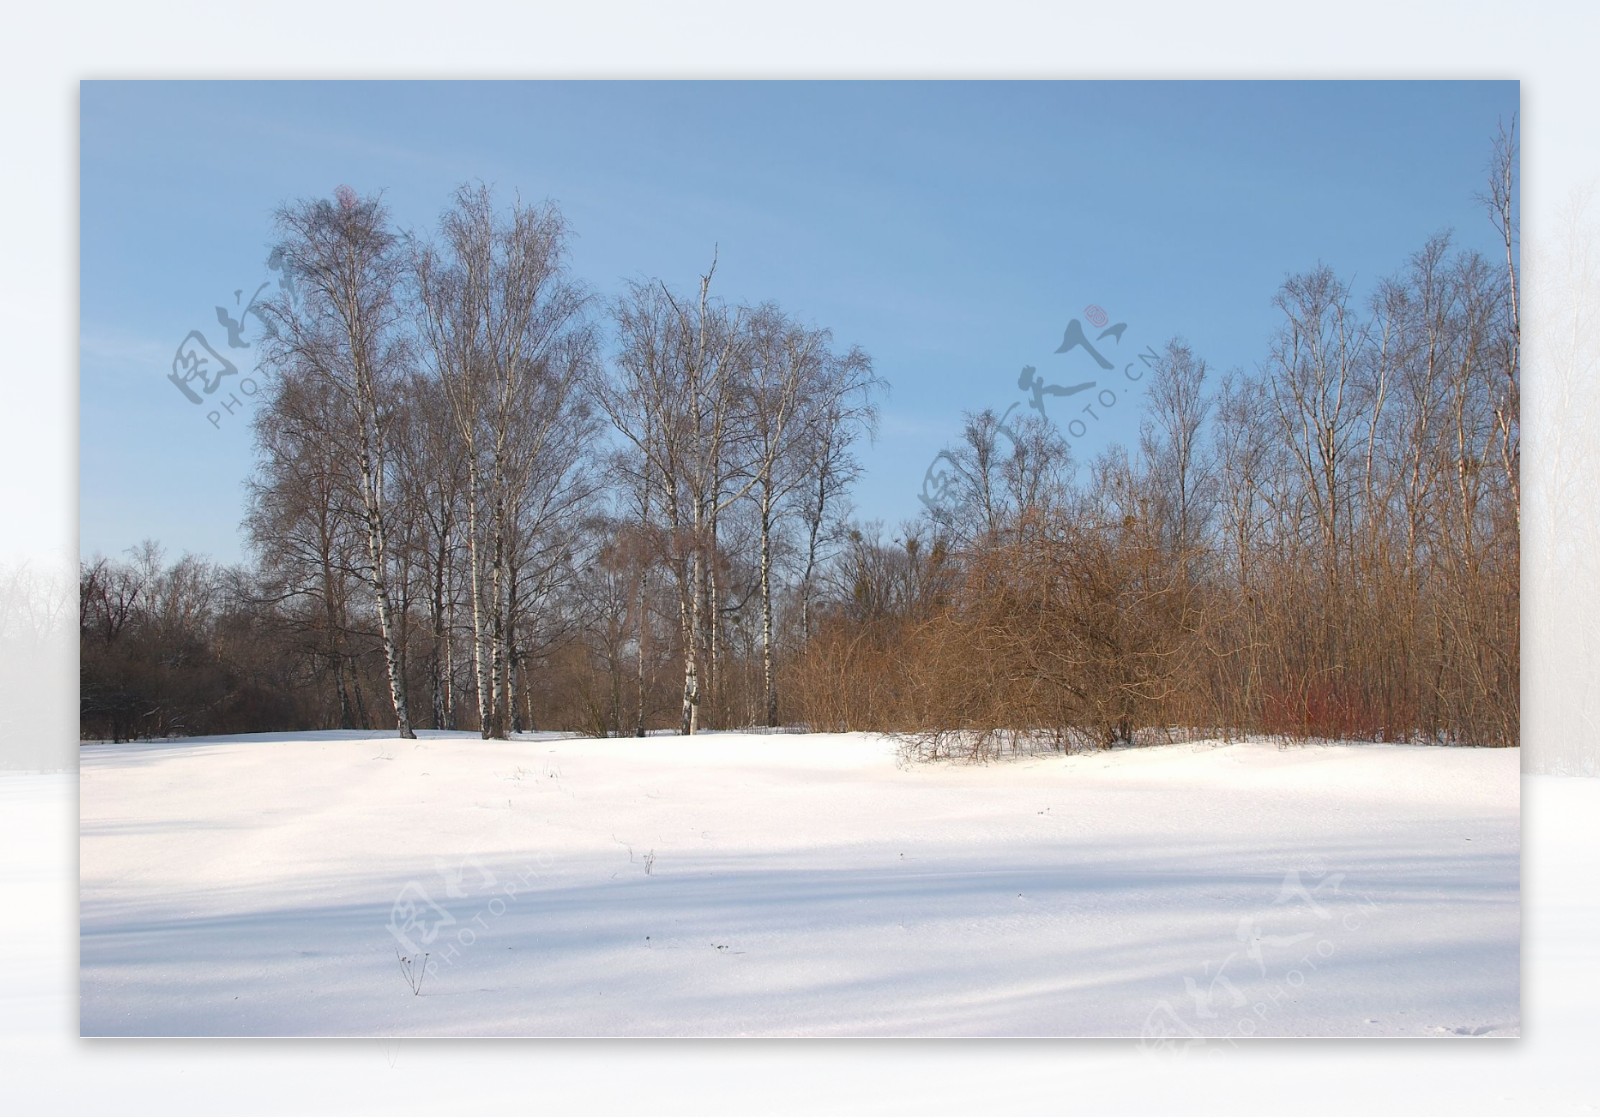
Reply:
x=795, y=885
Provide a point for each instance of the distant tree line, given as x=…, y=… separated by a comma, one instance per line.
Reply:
x=182, y=647
x=487, y=500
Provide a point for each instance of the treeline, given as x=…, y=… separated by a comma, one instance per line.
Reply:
x=487, y=500
x=184, y=647
x=466, y=514
x=1326, y=547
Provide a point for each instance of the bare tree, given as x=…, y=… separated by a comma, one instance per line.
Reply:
x=305, y=525
x=504, y=329
x=433, y=480
x=1176, y=406
x=801, y=394
x=835, y=423
x=1007, y=471
x=674, y=394
x=347, y=329
x=1501, y=201
x=1315, y=393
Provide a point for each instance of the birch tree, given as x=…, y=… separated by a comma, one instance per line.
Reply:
x=304, y=523
x=346, y=329
x=797, y=384
x=673, y=394
x=503, y=326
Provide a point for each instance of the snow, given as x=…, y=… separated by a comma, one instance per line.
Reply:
x=749, y=884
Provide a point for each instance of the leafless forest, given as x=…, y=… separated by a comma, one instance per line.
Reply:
x=489, y=498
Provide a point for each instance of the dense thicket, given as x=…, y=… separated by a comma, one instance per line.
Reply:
x=1324, y=547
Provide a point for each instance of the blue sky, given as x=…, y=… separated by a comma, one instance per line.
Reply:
x=950, y=229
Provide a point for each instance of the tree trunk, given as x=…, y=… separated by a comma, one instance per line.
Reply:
x=480, y=665
x=641, y=625
x=378, y=552
x=690, y=616
x=497, y=623
x=768, y=682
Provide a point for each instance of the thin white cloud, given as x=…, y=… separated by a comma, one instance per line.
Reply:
x=117, y=350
